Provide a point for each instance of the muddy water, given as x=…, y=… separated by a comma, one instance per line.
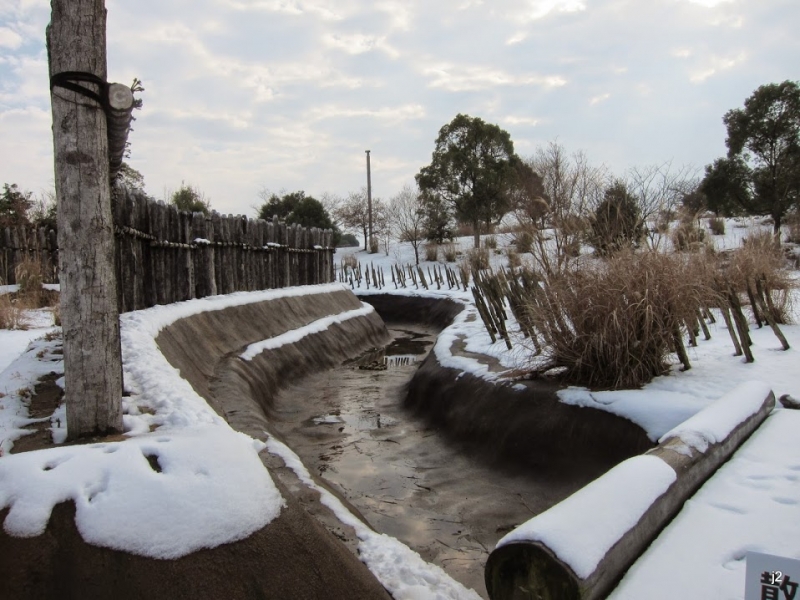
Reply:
x=349, y=427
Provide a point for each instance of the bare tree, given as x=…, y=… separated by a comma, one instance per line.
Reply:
x=76, y=41
x=353, y=213
x=557, y=220
x=407, y=218
x=659, y=190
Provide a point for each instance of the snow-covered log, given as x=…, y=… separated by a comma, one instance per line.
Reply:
x=580, y=548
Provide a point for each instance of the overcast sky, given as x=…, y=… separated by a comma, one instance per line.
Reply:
x=287, y=94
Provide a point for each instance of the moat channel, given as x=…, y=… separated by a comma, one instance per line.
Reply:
x=348, y=426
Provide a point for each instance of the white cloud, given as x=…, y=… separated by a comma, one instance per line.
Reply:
x=681, y=53
x=359, y=43
x=709, y=3
x=598, y=99
x=534, y=10
x=390, y=114
x=9, y=38
x=516, y=38
x=455, y=78
x=732, y=21
x=716, y=64
x=331, y=10
x=516, y=120
x=399, y=11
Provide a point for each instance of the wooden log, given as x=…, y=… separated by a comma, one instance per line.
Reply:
x=76, y=42
x=769, y=314
x=118, y=117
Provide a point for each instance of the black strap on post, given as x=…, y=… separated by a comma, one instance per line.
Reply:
x=68, y=80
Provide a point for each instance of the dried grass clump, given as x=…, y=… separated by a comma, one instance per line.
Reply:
x=688, y=237
x=524, y=241
x=28, y=274
x=757, y=268
x=12, y=316
x=490, y=242
x=478, y=259
x=614, y=323
x=450, y=251
x=514, y=259
x=793, y=228
x=716, y=225
x=350, y=260
x=431, y=252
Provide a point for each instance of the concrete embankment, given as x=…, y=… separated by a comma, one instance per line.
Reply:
x=292, y=557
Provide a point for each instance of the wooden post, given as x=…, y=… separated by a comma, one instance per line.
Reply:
x=76, y=41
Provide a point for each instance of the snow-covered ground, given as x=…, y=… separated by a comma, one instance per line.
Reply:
x=107, y=479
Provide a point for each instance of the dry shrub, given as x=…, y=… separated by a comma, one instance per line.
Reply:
x=478, y=259
x=11, y=314
x=687, y=236
x=350, y=260
x=490, y=242
x=514, y=259
x=793, y=228
x=613, y=323
x=524, y=241
x=431, y=252
x=28, y=274
x=761, y=259
x=450, y=252
x=716, y=225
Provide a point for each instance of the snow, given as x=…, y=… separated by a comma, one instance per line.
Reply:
x=399, y=569
x=295, y=335
x=756, y=505
x=210, y=475
x=716, y=422
x=751, y=504
x=572, y=529
x=36, y=360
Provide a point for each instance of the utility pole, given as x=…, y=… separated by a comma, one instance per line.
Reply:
x=369, y=201
x=76, y=44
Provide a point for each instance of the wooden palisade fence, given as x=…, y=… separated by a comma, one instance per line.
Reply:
x=21, y=244
x=165, y=255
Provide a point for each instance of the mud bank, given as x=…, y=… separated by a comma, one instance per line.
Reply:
x=522, y=423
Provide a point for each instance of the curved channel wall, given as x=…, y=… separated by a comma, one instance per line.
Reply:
x=294, y=556
x=524, y=424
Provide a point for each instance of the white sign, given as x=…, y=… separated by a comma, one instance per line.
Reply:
x=771, y=577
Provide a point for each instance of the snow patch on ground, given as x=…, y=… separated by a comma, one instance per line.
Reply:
x=212, y=489
x=17, y=383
